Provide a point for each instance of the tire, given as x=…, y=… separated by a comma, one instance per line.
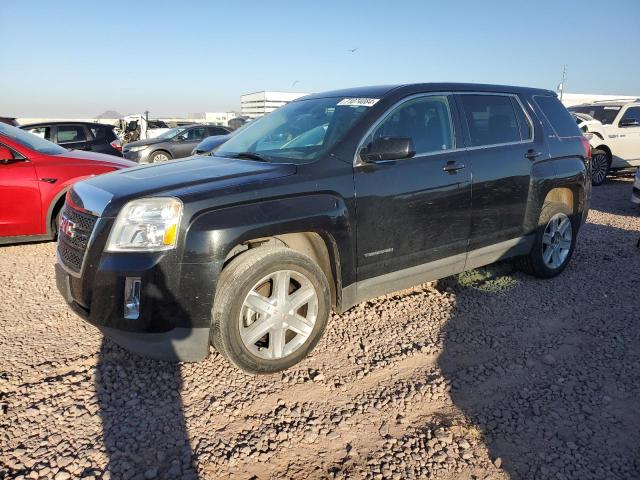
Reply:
x=600, y=166
x=160, y=156
x=538, y=261
x=240, y=334
x=55, y=224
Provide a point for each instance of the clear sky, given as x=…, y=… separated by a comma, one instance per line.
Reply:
x=79, y=58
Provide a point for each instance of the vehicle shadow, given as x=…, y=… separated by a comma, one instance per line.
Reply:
x=143, y=421
x=550, y=373
x=616, y=186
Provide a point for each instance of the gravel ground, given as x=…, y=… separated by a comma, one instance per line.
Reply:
x=491, y=374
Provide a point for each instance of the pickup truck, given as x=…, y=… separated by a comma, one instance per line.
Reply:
x=331, y=200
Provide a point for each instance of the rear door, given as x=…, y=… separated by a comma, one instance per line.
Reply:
x=413, y=212
x=73, y=137
x=503, y=150
x=20, y=205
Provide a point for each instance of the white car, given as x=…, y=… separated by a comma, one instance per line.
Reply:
x=635, y=194
x=613, y=129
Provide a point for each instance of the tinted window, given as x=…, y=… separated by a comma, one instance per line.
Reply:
x=426, y=120
x=632, y=113
x=102, y=133
x=217, y=131
x=30, y=140
x=491, y=119
x=42, y=132
x=71, y=133
x=561, y=120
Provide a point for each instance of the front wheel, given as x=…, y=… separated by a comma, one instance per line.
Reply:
x=159, y=157
x=554, y=242
x=600, y=165
x=271, y=308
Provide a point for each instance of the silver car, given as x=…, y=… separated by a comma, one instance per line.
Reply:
x=175, y=143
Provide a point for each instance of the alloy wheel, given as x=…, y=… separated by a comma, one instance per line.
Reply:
x=160, y=157
x=556, y=240
x=599, y=167
x=278, y=314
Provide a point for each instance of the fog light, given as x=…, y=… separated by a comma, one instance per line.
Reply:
x=132, y=298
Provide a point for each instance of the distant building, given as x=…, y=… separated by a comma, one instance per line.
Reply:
x=260, y=103
x=571, y=99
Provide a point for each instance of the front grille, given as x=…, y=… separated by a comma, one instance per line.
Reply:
x=71, y=249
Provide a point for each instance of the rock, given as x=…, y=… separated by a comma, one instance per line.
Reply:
x=151, y=473
x=498, y=462
x=384, y=429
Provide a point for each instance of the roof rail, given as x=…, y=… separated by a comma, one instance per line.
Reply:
x=629, y=100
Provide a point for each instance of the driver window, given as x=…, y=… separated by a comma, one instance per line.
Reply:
x=632, y=113
x=426, y=120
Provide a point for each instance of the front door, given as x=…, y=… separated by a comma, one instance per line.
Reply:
x=626, y=145
x=415, y=211
x=187, y=141
x=20, y=210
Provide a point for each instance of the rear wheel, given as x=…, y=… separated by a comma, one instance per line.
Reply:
x=600, y=165
x=270, y=310
x=159, y=157
x=554, y=242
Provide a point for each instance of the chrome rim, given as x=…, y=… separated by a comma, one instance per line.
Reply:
x=278, y=314
x=556, y=240
x=599, y=167
x=160, y=157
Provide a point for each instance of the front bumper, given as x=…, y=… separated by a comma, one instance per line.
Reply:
x=141, y=156
x=175, y=305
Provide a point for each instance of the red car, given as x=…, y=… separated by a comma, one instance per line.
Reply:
x=34, y=177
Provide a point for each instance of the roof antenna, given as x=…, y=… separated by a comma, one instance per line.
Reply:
x=563, y=82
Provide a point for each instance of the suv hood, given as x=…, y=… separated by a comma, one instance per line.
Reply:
x=105, y=194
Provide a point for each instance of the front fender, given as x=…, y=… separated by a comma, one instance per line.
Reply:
x=212, y=235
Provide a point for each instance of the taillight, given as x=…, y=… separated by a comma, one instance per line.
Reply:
x=587, y=147
x=117, y=145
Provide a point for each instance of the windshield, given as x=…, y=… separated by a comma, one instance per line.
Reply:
x=29, y=140
x=605, y=114
x=171, y=133
x=299, y=132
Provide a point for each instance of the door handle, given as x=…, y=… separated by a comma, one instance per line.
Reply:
x=49, y=180
x=453, y=166
x=532, y=154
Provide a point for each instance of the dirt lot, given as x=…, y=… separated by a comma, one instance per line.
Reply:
x=493, y=374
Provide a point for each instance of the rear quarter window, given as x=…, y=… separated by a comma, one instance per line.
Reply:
x=559, y=117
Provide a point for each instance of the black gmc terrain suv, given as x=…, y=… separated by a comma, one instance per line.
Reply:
x=330, y=200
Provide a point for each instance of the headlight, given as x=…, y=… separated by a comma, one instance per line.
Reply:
x=147, y=224
x=138, y=148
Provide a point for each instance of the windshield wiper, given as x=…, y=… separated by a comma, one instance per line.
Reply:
x=250, y=156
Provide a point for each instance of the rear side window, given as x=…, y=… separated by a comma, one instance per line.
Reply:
x=42, y=132
x=632, y=113
x=71, y=133
x=217, y=131
x=561, y=120
x=491, y=119
x=102, y=133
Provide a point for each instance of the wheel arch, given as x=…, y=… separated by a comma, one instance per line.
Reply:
x=606, y=150
x=54, y=207
x=316, y=225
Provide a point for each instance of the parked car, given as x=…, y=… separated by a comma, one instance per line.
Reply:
x=175, y=143
x=635, y=193
x=613, y=129
x=9, y=121
x=95, y=137
x=252, y=250
x=209, y=145
x=35, y=176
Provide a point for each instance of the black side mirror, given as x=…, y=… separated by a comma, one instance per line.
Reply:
x=388, y=148
x=630, y=122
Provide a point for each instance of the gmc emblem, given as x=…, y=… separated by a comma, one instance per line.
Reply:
x=67, y=227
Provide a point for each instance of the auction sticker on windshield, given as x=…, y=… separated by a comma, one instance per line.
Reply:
x=358, y=102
